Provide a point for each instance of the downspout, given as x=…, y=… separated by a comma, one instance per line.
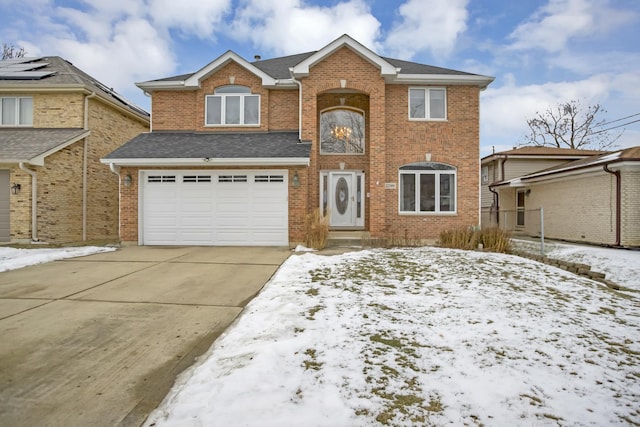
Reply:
x=84, y=167
x=618, y=203
x=116, y=170
x=496, y=198
x=299, y=83
x=34, y=201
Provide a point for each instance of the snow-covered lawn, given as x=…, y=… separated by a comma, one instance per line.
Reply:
x=412, y=337
x=622, y=266
x=11, y=258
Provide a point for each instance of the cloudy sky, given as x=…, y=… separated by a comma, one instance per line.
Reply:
x=541, y=52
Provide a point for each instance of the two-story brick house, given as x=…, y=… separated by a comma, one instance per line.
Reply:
x=239, y=152
x=57, y=122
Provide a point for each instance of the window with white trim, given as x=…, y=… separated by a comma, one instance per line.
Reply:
x=427, y=187
x=427, y=103
x=485, y=174
x=16, y=111
x=232, y=105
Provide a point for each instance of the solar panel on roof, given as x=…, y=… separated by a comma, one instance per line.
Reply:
x=23, y=69
x=24, y=75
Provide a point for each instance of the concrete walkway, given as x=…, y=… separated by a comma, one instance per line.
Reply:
x=99, y=340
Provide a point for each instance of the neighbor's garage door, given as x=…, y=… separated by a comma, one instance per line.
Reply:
x=215, y=208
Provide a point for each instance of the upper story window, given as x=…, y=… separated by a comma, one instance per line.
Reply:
x=427, y=187
x=16, y=111
x=342, y=131
x=232, y=105
x=427, y=104
x=485, y=174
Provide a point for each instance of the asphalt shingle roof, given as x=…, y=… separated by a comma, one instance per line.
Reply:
x=236, y=145
x=27, y=143
x=278, y=68
x=66, y=74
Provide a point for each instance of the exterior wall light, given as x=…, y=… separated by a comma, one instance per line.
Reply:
x=15, y=188
x=296, y=179
x=127, y=180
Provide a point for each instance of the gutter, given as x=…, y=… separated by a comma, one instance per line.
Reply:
x=34, y=201
x=299, y=83
x=84, y=167
x=605, y=167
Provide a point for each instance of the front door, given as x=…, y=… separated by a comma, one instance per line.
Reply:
x=342, y=195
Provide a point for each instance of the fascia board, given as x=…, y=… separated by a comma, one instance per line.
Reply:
x=442, y=79
x=150, y=86
x=257, y=161
x=194, y=80
x=39, y=159
x=563, y=174
x=42, y=88
x=386, y=69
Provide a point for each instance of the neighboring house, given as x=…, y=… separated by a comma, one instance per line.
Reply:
x=56, y=124
x=506, y=165
x=240, y=152
x=592, y=200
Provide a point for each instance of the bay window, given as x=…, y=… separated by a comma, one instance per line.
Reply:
x=427, y=187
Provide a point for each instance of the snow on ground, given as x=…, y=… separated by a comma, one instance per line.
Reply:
x=619, y=265
x=412, y=337
x=11, y=258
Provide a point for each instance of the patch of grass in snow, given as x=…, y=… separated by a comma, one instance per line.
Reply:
x=393, y=342
x=313, y=292
x=533, y=400
x=312, y=362
x=311, y=314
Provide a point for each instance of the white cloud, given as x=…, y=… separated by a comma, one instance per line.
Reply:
x=133, y=50
x=552, y=26
x=433, y=26
x=506, y=109
x=289, y=26
x=195, y=17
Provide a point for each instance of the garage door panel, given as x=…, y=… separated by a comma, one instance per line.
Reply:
x=215, y=208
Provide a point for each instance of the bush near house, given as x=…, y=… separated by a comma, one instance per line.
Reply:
x=491, y=239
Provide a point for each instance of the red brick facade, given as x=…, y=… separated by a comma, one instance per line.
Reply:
x=344, y=78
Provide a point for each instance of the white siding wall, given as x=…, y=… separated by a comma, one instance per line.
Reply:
x=578, y=209
x=630, y=208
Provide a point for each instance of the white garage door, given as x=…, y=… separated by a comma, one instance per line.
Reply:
x=214, y=208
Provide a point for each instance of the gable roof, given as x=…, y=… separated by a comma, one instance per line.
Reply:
x=208, y=149
x=53, y=73
x=612, y=160
x=279, y=71
x=31, y=145
x=542, y=152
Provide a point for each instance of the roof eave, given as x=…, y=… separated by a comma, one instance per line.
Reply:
x=386, y=69
x=194, y=80
x=206, y=161
x=442, y=79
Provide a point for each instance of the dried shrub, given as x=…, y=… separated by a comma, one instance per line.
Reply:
x=316, y=230
x=469, y=238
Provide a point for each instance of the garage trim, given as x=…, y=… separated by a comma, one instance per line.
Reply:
x=213, y=207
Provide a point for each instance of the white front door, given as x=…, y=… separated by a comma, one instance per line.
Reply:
x=342, y=195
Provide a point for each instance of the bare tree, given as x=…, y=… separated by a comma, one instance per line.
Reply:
x=9, y=51
x=568, y=125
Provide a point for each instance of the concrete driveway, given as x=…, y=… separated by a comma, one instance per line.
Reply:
x=99, y=340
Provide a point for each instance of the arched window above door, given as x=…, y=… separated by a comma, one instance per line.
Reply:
x=342, y=131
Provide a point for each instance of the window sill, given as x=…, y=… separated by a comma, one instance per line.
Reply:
x=412, y=119
x=428, y=213
x=232, y=126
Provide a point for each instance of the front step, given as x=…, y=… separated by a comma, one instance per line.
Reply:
x=338, y=238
